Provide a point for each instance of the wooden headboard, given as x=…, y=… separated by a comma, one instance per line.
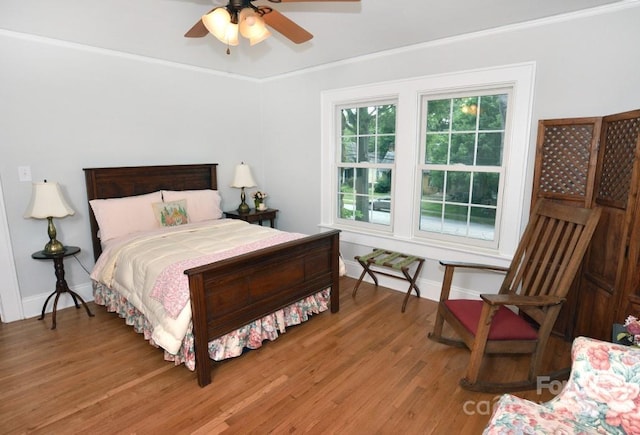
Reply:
x=118, y=182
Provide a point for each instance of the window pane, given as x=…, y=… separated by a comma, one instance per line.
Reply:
x=458, y=186
x=485, y=188
x=367, y=120
x=432, y=185
x=348, y=150
x=437, y=148
x=366, y=149
x=438, y=114
x=462, y=148
x=493, y=112
x=431, y=217
x=489, y=149
x=482, y=223
x=386, y=149
x=382, y=184
x=349, y=122
x=455, y=219
x=465, y=111
x=387, y=119
x=345, y=205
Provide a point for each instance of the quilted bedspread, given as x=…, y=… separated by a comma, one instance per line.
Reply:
x=148, y=269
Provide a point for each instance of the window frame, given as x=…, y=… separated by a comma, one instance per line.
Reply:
x=501, y=170
x=367, y=165
x=518, y=154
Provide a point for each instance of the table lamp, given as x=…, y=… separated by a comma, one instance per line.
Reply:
x=47, y=202
x=242, y=179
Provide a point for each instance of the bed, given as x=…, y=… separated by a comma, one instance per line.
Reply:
x=235, y=291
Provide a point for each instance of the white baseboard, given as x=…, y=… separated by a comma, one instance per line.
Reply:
x=32, y=305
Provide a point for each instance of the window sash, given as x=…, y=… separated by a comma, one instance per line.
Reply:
x=462, y=214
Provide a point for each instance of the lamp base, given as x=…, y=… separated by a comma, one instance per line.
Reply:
x=53, y=247
x=244, y=208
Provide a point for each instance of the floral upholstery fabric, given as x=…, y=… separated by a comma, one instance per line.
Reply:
x=602, y=396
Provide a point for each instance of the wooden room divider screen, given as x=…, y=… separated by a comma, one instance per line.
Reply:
x=596, y=162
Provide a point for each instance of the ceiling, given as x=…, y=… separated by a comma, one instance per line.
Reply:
x=155, y=28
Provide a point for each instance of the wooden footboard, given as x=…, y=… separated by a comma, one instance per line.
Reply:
x=231, y=293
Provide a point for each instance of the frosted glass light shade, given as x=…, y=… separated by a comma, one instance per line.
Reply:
x=218, y=23
x=243, y=177
x=47, y=201
x=252, y=26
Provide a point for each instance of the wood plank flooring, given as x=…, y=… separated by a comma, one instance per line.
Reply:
x=367, y=369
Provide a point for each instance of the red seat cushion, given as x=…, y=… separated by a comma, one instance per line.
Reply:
x=506, y=324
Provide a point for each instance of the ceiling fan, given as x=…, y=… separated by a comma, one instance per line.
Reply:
x=251, y=21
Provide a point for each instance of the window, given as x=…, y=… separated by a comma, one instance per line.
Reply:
x=462, y=164
x=365, y=166
x=431, y=161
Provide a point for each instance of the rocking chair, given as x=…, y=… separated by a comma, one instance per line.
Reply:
x=537, y=281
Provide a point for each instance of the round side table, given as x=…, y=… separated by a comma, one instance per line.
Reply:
x=61, y=283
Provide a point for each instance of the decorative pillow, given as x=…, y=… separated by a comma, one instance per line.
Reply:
x=202, y=204
x=121, y=216
x=171, y=214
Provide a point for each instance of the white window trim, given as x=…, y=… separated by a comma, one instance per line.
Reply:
x=520, y=77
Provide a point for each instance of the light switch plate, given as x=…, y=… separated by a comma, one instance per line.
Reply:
x=24, y=173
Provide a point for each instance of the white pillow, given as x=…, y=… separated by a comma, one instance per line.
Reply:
x=202, y=205
x=121, y=216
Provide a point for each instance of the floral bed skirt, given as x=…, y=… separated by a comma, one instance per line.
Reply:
x=230, y=345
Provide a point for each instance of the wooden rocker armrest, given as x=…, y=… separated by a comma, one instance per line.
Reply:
x=522, y=301
x=474, y=266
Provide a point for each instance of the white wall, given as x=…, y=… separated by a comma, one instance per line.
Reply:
x=65, y=107
x=587, y=66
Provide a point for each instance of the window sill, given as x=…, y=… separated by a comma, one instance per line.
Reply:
x=433, y=250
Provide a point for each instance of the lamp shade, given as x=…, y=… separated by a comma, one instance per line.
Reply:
x=47, y=201
x=252, y=26
x=243, y=177
x=218, y=23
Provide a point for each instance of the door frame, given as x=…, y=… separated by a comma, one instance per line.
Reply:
x=10, y=299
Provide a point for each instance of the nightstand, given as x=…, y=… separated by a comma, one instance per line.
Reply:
x=254, y=215
x=61, y=283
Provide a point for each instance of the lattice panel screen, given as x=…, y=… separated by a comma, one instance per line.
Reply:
x=565, y=159
x=621, y=139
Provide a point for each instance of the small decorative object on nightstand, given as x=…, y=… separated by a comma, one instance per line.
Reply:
x=259, y=200
x=61, y=283
x=254, y=216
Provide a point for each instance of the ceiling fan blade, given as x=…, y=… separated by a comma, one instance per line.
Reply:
x=198, y=30
x=287, y=27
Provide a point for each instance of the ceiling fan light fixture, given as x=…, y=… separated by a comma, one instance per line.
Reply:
x=258, y=39
x=231, y=35
x=218, y=23
x=252, y=26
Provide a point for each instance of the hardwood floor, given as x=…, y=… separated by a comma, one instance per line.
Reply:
x=367, y=369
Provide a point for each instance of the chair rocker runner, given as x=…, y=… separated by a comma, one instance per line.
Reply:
x=536, y=283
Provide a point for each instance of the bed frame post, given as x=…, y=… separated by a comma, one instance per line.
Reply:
x=335, y=272
x=199, y=315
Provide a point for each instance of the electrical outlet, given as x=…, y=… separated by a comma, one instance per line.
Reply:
x=24, y=173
